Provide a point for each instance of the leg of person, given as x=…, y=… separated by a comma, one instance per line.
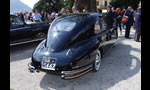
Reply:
x=138, y=34
x=120, y=27
x=127, y=33
x=123, y=24
x=135, y=38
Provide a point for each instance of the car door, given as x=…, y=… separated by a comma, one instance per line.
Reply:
x=19, y=31
x=108, y=36
x=102, y=33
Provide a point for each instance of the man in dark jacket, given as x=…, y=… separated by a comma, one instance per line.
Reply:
x=109, y=18
x=21, y=16
x=129, y=23
x=137, y=25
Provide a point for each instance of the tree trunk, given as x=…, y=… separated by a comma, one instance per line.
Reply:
x=89, y=5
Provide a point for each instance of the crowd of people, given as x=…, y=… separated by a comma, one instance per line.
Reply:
x=43, y=15
x=113, y=18
x=133, y=19
x=34, y=17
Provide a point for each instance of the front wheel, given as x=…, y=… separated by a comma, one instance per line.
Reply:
x=97, y=62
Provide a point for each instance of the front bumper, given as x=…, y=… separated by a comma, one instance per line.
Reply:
x=68, y=74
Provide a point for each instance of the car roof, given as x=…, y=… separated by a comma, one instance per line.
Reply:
x=12, y=16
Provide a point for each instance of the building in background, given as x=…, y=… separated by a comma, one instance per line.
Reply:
x=103, y=3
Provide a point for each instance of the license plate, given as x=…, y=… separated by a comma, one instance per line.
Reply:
x=48, y=63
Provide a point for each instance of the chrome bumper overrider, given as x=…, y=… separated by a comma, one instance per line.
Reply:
x=31, y=67
x=76, y=73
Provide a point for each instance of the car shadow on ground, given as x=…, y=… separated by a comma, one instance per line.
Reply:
x=118, y=65
x=23, y=51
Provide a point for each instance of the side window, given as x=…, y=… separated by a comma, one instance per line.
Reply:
x=15, y=21
x=97, y=28
x=100, y=26
x=103, y=24
x=12, y=21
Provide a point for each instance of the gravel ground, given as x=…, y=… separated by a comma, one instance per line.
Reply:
x=120, y=70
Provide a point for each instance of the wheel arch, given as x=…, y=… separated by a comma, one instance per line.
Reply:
x=101, y=51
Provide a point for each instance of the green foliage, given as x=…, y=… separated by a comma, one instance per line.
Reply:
x=125, y=3
x=68, y=4
x=48, y=5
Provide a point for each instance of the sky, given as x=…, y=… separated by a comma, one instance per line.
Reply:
x=29, y=3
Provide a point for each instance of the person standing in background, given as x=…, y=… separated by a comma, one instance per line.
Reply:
x=74, y=9
x=118, y=19
x=129, y=23
x=30, y=17
x=42, y=15
x=133, y=14
x=45, y=16
x=62, y=12
x=21, y=16
x=67, y=11
x=53, y=16
x=99, y=10
x=36, y=16
x=26, y=16
x=122, y=13
x=137, y=24
x=109, y=18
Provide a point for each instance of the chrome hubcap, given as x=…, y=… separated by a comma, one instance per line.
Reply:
x=97, y=60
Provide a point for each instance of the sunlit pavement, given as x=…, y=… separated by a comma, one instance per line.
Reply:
x=120, y=70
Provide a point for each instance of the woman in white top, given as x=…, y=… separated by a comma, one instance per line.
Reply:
x=36, y=16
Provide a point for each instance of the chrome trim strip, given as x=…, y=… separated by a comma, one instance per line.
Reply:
x=26, y=42
x=19, y=28
x=71, y=77
x=76, y=71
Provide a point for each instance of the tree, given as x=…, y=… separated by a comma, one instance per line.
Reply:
x=89, y=5
x=68, y=4
x=48, y=5
x=125, y=3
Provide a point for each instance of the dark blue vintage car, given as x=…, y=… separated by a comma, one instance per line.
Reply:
x=74, y=46
x=20, y=32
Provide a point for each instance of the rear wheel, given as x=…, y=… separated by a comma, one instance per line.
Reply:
x=97, y=62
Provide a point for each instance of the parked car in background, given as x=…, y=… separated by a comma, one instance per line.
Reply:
x=74, y=46
x=20, y=32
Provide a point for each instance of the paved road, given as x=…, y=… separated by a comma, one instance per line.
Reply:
x=120, y=70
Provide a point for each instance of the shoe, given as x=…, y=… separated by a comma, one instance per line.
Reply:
x=137, y=40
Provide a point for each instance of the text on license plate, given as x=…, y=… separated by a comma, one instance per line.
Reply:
x=49, y=64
